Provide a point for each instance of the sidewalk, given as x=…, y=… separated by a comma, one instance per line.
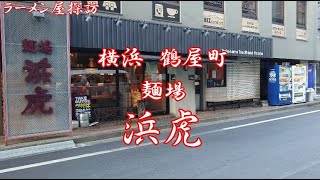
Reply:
x=116, y=128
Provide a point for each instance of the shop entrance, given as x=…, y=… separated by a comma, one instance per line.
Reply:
x=114, y=91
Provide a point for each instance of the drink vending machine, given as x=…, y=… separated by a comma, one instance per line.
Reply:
x=279, y=85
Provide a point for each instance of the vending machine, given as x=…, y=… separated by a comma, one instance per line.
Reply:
x=299, y=82
x=279, y=85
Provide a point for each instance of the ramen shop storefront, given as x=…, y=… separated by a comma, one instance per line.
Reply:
x=110, y=91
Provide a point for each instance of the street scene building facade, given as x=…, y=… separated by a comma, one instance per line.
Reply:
x=255, y=34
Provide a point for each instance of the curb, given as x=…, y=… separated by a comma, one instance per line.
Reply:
x=165, y=125
x=39, y=149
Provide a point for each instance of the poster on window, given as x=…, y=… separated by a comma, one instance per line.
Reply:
x=250, y=25
x=166, y=10
x=301, y=34
x=278, y=30
x=213, y=19
x=107, y=6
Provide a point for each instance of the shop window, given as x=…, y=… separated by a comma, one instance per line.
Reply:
x=115, y=91
x=216, y=76
x=154, y=72
x=301, y=14
x=249, y=9
x=215, y=6
x=278, y=12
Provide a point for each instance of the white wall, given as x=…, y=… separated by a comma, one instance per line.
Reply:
x=189, y=102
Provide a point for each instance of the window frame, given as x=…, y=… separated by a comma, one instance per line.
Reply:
x=301, y=26
x=216, y=9
x=250, y=15
x=274, y=19
x=224, y=75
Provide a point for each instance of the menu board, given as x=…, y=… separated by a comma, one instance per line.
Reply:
x=82, y=105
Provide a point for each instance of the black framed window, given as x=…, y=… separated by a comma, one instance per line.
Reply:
x=217, y=77
x=215, y=6
x=250, y=9
x=166, y=10
x=301, y=14
x=278, y=12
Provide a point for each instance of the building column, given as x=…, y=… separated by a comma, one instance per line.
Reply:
x=203, y=86
x=189, y=102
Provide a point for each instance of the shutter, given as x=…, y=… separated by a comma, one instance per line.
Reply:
x=243, y=80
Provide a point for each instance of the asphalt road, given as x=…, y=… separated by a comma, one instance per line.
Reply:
x=284, y=145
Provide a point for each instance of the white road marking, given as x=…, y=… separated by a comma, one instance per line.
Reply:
x=144, y=144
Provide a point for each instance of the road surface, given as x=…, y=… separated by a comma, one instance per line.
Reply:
x=283, y=145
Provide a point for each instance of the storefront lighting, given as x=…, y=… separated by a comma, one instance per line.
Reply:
x=39, y=16
x=263, y=40
x=187, y=30
x=167, y=28
x=238, y=37
x=223, y=35
x=144, y=25
x=118, y=22
x=88, y=18
x=205, y=33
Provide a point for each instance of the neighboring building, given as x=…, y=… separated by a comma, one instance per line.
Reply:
x=256, y=34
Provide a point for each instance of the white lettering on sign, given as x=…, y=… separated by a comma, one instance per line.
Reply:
x=237, y=52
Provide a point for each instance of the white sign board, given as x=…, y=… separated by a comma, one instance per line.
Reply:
x=213, y=19
x=278, y=30
x=301, y=34
x=250, y=25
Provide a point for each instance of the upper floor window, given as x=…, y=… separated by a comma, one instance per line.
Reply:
x=278, y=12
x=107, y=6
x=250, y=9
x=215, y=6
x=301, y=14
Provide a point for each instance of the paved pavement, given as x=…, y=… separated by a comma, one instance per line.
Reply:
x=113, y=129
x=283, y=145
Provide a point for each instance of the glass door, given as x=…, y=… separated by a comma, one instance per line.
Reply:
x=154, y=72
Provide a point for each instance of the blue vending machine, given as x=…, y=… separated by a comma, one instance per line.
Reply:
x=279, y=85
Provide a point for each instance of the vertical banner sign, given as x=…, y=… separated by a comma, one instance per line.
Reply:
x=36, y=88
